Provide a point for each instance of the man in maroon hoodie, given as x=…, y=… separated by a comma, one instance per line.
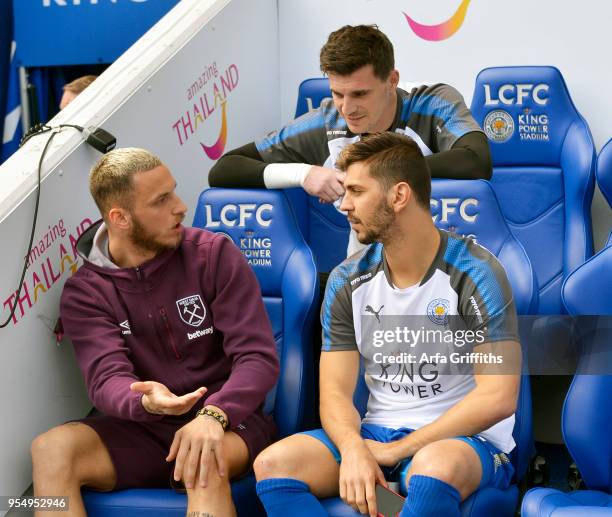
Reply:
x=171, y=335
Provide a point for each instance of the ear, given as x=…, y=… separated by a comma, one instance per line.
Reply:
x=119, y=218
x=401, y=196
x=394, y=78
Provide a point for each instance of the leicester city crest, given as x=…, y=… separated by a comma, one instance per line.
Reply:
x=191, y=310
x=437, y=310
x=499, y=126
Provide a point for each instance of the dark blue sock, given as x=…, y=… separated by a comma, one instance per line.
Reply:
x=286, y=496
x=430, y=497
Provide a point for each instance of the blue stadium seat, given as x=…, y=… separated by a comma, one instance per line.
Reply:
x=471, y=208
x=262, y=225
x=587, y=416
x=543, y=169
x=311, y=93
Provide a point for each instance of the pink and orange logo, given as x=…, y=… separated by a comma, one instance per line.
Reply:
x=205, y=95
x=442, y=30
x=215, y=151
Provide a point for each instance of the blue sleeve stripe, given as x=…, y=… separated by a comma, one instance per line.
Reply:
x=335, y=282
x=480, y=272
x=339, y=278
x=433, y=105
x=309, y=122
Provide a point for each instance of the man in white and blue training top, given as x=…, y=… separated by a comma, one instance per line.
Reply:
x=431, y=317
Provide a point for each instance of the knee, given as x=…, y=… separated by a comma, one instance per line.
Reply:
x=438, y=460
x=271, y=463
x=52, y=453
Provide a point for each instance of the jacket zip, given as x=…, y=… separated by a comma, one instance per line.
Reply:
x=164, y=316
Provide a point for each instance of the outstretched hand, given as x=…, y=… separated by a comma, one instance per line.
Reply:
x=159, y=400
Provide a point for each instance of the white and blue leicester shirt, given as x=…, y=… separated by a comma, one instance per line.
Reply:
x=464, y=297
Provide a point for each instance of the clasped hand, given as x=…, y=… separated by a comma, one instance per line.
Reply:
x=198, y=444
x=359, y=474
x=324, y=183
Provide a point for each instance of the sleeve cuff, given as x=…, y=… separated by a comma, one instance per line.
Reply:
x=285, y=175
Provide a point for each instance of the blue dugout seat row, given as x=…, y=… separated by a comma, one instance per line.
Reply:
x=587, y=414
x=263, y=225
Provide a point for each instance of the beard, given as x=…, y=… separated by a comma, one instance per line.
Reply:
x=379, y=228
x=146, y=240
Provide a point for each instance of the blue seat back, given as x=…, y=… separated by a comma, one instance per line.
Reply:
x=470, y=208
x=262, y=225
x=587, y=414
x=311, y=93
x=543, y=169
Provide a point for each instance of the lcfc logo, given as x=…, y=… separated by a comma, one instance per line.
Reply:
x=437, y=311
x=237, y=215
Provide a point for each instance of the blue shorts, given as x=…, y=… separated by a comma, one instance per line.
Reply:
x=497, y=471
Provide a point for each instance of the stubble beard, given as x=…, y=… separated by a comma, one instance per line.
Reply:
x=381, y=225
x=147, y=241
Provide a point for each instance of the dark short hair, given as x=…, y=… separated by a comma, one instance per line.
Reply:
x=352, y=47
x=392, y=158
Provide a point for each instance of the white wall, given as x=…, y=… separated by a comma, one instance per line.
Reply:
x=574, y=37
x=139, y=99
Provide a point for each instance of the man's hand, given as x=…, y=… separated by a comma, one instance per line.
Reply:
x=384, y=453
x=159, y=400
x=324, y=183
x=359, y=474
x=198, y=444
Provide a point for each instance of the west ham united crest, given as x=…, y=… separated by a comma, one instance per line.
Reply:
x=191, y=310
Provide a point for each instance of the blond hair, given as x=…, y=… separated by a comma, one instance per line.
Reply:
x=111, y=179
x=80, y=83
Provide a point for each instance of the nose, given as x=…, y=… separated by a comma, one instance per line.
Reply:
x=180, y=207
x=348, y=107
x=347, y=203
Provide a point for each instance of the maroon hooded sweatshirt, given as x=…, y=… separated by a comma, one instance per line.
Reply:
x=190, y=317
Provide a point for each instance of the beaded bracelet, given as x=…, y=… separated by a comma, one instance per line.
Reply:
x=216, y=415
